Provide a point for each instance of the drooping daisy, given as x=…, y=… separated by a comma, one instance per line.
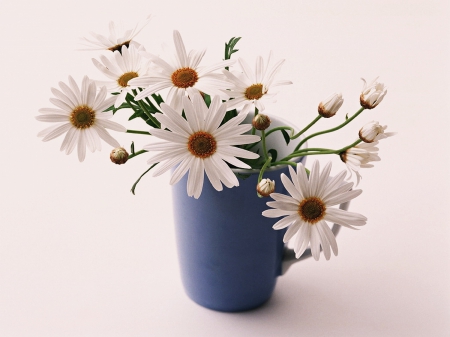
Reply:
x=79, y=115
x=252, y=88
x=360, y=156
x=372, y=94
x=117, y=37
x=121, y=68
x=182, y=76
x=309, y=207
x=199, y=144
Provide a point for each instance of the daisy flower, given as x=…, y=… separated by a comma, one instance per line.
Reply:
x=360, y=156
x=251, y=88
x=372, y=94
x=117, y=37
x=79, y=115
x=121, y=68
x=199, y=144
x=373, y=131
x=309, y=207
x=182, y=76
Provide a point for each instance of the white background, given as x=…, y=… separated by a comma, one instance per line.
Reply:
x=81, y=256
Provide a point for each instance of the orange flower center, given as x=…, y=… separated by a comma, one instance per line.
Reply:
x=123, y=80
x=202, y=144
x=311, y=210
x=82, y=117
x=255, y=91
x=184, y=77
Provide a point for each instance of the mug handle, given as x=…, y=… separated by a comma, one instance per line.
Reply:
x=289, y=254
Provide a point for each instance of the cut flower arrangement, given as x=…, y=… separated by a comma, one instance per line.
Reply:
x=198, y=112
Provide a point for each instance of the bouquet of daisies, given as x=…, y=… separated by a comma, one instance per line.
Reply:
x=197, y=111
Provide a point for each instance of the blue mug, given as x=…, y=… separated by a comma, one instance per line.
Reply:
x=229, y=255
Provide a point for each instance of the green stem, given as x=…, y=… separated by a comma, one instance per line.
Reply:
x=263, y=141
x=136, y=154
x=137, y=181
x=253, y=128
x=261, y=172
x=280, y=128
x=318, y=151
x=307, y=127
x=139, y=132
x=329, y=130
x=284, y=162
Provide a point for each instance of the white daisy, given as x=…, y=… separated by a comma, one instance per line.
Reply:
x=79, y=115
x=199, y=144
x=121, y=68
x=373, y=131
x=372, y=94
x=360, y=156
x=182, y=76
x=117, y=37
x=309, y=206
x=252, y=87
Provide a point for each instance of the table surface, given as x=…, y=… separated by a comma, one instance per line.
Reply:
x=81, y=256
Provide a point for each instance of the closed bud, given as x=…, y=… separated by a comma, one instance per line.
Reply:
x=330, y=106
x=261, y=122
x=265, y=187
x=119, y=155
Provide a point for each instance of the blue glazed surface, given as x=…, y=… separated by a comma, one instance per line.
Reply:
x=229, y=254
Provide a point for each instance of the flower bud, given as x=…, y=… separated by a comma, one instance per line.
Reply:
x=265, y=187
x=330, y=106
x=372, y=94
x=373, y=131
x=119, y=155
x=261, y=122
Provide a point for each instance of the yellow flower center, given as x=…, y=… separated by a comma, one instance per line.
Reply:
x=184, y=77
x=255, y=91
x=311, y=210
x=123, y=80
x=82, y=117
x=202, y=144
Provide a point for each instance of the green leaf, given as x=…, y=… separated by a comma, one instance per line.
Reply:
x=243, y=176
x=273, y=153
x=138, y=113
x=287, y=139
x=132, y=147
x=229, y=115
x=346, y=116
x=207, y=99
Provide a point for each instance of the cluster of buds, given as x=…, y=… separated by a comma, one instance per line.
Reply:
x=330, y=106
x=119, y=155
x=265, y=187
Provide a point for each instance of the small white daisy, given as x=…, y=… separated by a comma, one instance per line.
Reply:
x=309, y=206
x=182, y=76
x=199, y=144
x=372, y=94
x=373, y=131
x=117, y=37
x=121, y=68
x=360, y=156
x=79, y=115
x=251, y=88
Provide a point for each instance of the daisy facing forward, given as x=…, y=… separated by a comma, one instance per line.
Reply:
x=199, y=144
x=125, y=65
x=117, y=37
x=252, y=88
x=309, y=206
x=80, y=116
x=182, y=76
